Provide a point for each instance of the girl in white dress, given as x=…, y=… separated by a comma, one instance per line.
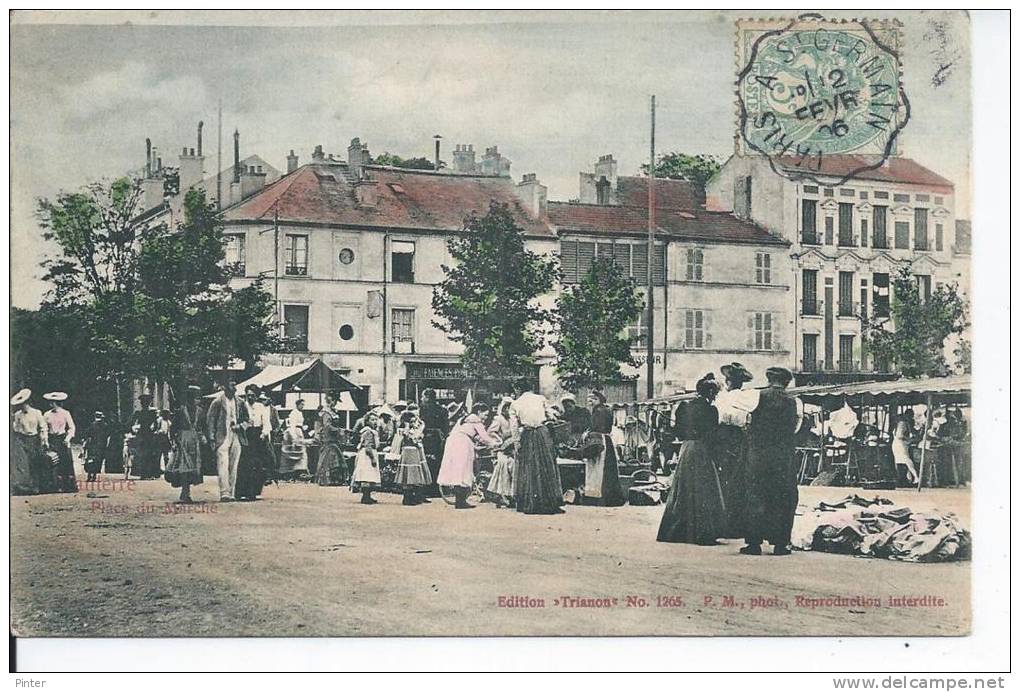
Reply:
x=366, y=476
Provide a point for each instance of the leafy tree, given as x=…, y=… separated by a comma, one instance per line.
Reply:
x=136, y=298
x=963, y=356
x=914, y=341
x=591, y=317
x=417, y=162
x=697, y=168
x=488, y=300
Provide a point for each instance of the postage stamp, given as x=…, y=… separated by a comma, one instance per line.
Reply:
x=808, y=88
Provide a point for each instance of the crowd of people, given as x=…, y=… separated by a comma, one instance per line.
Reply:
x=731, y=448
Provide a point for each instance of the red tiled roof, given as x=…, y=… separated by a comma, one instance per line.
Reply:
x=632, y=190
x=325, y=194
x=894, y=170
x=700, y=225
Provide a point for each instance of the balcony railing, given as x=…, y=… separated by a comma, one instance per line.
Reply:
x=880, y=242
x=811, y=307
x=402, y=346
x=847, y=241
x=811, y=365
x=841, y=366
x=296, y=270
x=235, y=269
x=849, y=309
x=810, y=238
x=848, y=366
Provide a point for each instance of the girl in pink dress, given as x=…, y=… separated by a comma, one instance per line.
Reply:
x=458, y=468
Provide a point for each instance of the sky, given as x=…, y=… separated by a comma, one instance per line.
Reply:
x=552, y=90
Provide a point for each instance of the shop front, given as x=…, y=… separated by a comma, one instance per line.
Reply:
x=449, y=380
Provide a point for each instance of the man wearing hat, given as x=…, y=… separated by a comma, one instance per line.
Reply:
x=437, y=427
x=225, y=423
x=28, y=439
x=60, y=431
x=772, y=478
x=95, y=443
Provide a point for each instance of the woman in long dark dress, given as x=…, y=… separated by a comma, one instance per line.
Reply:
x=331, y=469
x=695, y=511
x=143, y=422
x=602, y=474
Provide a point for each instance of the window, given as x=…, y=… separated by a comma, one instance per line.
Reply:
x=695, y=264
x=810, y=352
x=576, y=258
x=234, y=251
x=846, y=224
x=809, y=221
x=920, y=229
x=637, y=331
x=828, y=192
x=828, y=230
x=938, y=200
x=921, y=198
x=846, y=192
x=295, y=326
x=809, y=287
x=402, y=330
x=864, y=194
x=762, y=268
x=760, y=334
x=346, y=332
x=881, y=195
x=846, y=294
x=811, y=189
x=939, y=237
x=296, y=255
x=901, y=198
x=879, y=238
x=346, y=256
x=923, y=286
x=880, y=294
x=902, y=235
x=864, y=233
x=402, y=261
x=846, y=352
x=694, y=329
x=864, y=297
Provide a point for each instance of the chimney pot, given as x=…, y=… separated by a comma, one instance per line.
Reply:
x=199, y=137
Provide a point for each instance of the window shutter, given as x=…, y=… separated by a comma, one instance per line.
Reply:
x=750, y=331
x=640, y=263
x=659, y=265
x=688, y=328
x=605, y=251
x=777, y=333
x=689, y=265
x=621, y=252
x=708, y=328
x=585, y=255
x=568, y=260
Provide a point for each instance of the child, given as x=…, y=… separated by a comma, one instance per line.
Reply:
x=412, y=473
x=162, y=430
x=501, y=483
x=366, y=476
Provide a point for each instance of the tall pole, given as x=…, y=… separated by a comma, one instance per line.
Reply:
x=276, y=257
x=219, y=156
x=650, y=301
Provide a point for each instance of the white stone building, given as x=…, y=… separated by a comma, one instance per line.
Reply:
x=848, y=242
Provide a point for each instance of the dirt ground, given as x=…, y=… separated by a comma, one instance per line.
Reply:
x=311, y=561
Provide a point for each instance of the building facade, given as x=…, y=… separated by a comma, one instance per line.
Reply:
x=848, y=241
x=721, y=284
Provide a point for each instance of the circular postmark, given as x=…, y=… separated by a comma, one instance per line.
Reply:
x=810, y=91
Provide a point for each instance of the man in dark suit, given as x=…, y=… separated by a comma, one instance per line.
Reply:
x=772, y=479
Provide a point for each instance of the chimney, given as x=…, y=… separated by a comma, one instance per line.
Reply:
x=357, y=157
x=199, y=137
x=493, y=163
x=152, y=193
x=533, y=195
x=292, y=161
x=318, y=156
x=192, y=166
x=148, y=157
x=464, y=158
x=237, y=156
x=435, y=166
x=605, y=167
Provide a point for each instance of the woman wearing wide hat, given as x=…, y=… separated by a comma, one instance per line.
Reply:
x=29, y=473
x=695, y=510
x=60, y=432
x=185, y=467
x=730, y=443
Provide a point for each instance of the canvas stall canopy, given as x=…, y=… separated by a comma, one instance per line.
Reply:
x=954, y=389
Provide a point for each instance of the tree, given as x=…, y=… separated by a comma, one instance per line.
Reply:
x=915, y=341
x=488, y=300
x=139, y=299
x=418, y=162
x=591, y=317
x=697, y=168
